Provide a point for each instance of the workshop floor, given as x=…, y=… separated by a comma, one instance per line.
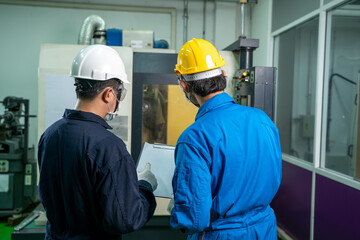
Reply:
x=5, y=230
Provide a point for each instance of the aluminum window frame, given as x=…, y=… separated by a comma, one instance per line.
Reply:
x=324, y=12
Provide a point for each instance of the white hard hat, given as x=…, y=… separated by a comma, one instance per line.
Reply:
x=98, y=62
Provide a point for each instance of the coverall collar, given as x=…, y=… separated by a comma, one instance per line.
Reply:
x=213, y=103
x=85, y=116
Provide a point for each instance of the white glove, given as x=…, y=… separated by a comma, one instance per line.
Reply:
x=148, y=176
x=171, y=205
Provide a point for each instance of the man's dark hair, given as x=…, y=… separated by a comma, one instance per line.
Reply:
x=88, y=89
x=206, y=86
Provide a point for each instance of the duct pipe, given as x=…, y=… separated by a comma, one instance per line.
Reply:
x=91, y=25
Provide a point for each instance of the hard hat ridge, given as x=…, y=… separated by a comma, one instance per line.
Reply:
x=100, y=63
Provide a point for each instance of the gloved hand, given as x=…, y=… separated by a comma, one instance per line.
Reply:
x=171, y=205
x=148, y=176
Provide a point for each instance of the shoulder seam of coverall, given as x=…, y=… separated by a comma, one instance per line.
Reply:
x=91, y=155
x=210, y=108
x=269, y=125
x=188, y=143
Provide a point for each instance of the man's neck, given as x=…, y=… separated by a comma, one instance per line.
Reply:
x=202, y=100
x=90, y=106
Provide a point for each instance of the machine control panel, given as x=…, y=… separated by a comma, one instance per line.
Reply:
x=244, y=80
x=245, y=75
x=4, y=166
x=254, y=87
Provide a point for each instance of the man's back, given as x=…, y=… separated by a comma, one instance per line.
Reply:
x=235, y=153
x=88, y=180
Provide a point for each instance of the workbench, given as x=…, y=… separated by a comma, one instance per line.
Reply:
x=157, y=228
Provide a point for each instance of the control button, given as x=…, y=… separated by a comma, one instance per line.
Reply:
x=27, y=180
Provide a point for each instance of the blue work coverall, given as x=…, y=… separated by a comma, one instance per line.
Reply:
x=88, y=182
x=228, y=169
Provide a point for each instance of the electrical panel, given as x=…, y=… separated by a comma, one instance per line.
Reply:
x=255, y=87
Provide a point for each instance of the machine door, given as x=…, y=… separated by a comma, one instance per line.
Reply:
x=160, y=110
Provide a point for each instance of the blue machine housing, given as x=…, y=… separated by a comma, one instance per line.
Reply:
x=114, y=37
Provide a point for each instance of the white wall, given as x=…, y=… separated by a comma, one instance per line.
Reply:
x=24, y=28
x=260, y=23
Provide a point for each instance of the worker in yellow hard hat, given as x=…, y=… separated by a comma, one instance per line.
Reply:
x=228, y=162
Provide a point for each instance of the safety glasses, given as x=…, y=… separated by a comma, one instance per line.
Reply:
x=121, y=93
x=180, y=78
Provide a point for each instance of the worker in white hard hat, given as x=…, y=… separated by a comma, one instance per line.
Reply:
x=88, y=182
x=228, y=162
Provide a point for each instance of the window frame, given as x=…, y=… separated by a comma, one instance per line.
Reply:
x=318, y=165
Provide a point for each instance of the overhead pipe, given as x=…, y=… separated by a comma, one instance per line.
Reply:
x=242, y=19
x=246, y=46
x=214, y=25
x=92, y=24
x=204, y=20
x=186, y=17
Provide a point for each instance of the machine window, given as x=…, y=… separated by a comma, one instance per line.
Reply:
x=165, y=113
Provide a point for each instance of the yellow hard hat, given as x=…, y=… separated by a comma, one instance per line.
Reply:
x=197, y=55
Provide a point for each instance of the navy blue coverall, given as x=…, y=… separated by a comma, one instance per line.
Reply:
x=88, y=182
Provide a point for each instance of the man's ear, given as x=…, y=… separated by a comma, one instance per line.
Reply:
x=185, y=86
x=106, y=94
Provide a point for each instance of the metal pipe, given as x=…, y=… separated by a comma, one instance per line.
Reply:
x=214, y=25
x=246, y=57
x=242, y=19
x=26, y=131
x=186, y=17
x=204, y=20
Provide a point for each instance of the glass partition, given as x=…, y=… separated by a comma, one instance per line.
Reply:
x=296, y=60
x=342, y=78
x=286, y=11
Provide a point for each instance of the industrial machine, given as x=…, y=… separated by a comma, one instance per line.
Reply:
x=93, y=31
x=18, y=168
x=253, y=86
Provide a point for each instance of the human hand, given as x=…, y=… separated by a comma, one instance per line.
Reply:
x=148, y=176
